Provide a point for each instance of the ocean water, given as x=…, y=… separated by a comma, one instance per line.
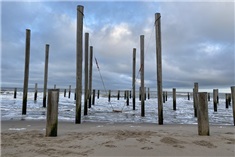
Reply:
x=102, y=111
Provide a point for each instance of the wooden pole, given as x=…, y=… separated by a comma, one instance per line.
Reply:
x=215, y=100
x=79, y=56
x=90, y=74
x=142, y=75
x=226, y=100
x=75, y=94
x=133, y=77
x=163, y=97
x=217, y=93
x=124, y=95
x=229, y=99
x=174, y=99
x=93, y=99
x=64, y=92
x=127, y=99
x=195, y=99
x=86, y=74
x=139, y=93
x=159, y=66
x=233, y=102
x=145, y=95
x=15, y=92
x=52, y=112
x=209, y=98
x=35, y=92
x=45, y=74
x=109, y=95
x=188, y=96
x=203, y=120
x=166, y=95
x=98, y=94
x=69, y=91
x=26, y=72
x=118, y=95
x=148, y=93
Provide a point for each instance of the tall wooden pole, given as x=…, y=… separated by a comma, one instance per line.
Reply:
x=215, y=100
x=159, y=66
x=233, y=102
x=174, y=99
x=26, y=72
x=133, y=77
x=86, y=74
x=36, y=92
x=90, y=74
x=45, y=74
x=195, y=99
x=15, y=93
x=69, y=91
x=142, y=75
x=79, y=63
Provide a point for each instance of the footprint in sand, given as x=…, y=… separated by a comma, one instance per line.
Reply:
x=146, y=148
x=205, y=144
x=110, y=146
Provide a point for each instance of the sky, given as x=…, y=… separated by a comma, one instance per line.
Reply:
x=197, y=42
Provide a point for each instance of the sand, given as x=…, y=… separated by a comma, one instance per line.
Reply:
x=27, y=139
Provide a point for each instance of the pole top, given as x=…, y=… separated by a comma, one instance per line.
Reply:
x=80, y=6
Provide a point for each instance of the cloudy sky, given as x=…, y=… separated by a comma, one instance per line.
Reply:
x=197, y=42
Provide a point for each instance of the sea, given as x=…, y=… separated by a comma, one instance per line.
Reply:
x=103, y=110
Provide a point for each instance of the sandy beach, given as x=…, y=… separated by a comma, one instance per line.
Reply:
x=27, y=138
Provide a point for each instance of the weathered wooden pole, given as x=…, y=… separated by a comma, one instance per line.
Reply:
x=15, y=92
x=118, y=95
x=233, y=102
x=226, y=100
x=52, y=112
x=124, y=94
x=215, y=100
x=195, y=98
x=36, y=92
x=133, y=77
x=229, y=99
x=163, y=96
x=202, y=116
x=45, y=74
x=64, y=92
x=79, y=56
x=166, y=95
x=90, y=74
x=93, y=99
x=209, y=98
x=109, y=95
x=188, y=96
x=26, y=72
x=86, y=74
x=142, y=75
x=75, y=94
x=127, y=98
x=148, y=93
x=69, y=91
x=159, y=66
x=98, y=94
x=174, y=99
